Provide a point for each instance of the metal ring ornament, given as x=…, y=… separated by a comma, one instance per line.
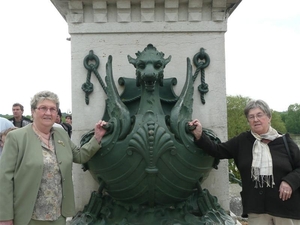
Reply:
x=91, y=56
x=201, y=55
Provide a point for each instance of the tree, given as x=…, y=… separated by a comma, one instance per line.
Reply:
x=236, y=123
x=277, y=122
x=236, y=120
x=292, y=119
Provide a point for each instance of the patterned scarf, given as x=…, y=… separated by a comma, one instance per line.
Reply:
x=262, y=166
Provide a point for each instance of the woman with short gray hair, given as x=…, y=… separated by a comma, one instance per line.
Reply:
x=36, y=167
x=270, y=178
x=252, y=104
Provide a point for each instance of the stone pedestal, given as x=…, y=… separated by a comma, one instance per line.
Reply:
x=176, y=27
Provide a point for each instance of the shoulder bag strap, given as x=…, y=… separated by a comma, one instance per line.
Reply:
x=288, y=150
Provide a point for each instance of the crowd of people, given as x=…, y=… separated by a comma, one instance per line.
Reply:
x=37, y=156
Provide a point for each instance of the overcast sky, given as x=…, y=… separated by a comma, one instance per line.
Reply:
x=35, y=54
x=262, y=52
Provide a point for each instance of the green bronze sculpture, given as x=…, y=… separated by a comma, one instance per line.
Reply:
x=149, y=170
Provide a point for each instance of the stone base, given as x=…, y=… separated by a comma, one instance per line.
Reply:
x=200, y=209
x=235, y=200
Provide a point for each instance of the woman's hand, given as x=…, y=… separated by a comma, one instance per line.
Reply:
x=8, y=222
x=99, y=130
x=197, y=132
x=285, y=191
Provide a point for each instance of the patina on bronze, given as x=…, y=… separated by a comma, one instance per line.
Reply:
x=149, y=170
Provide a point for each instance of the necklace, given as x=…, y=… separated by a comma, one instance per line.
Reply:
x=43, y=138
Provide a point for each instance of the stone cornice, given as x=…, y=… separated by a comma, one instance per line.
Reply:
x=155, y=27
x=100, y=16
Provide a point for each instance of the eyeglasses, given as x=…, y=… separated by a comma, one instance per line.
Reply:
x=258, y=116
x=44, y=109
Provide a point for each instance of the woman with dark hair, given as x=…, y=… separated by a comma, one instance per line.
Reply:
x=68, y=119
x=66, y=126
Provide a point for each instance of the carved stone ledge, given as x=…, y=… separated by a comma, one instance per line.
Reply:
x=100, y=11
x=171, y=10
x=124, y=11
x=218, y=10
x=127, y=11
x=147, y=11
x=153, y=27
x=76, y=12
x=195, y=10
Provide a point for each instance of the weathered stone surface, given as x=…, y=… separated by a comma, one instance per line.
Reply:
x=235, y=204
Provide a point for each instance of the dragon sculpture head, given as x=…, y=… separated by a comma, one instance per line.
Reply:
x=149, y=66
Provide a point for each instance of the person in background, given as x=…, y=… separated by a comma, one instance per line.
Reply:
x=66, y=126
x=36, y=167
x=4, y=133
x=68, y=119
x=270, y=180
x=4, y=124
x=18, y=119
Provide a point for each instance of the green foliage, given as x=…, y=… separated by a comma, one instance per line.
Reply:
x=236, y=124
x=292, y=119
x=236, y=120
x=283, y=116
x=277, y=122
x=6, y=116
x=11, y=116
